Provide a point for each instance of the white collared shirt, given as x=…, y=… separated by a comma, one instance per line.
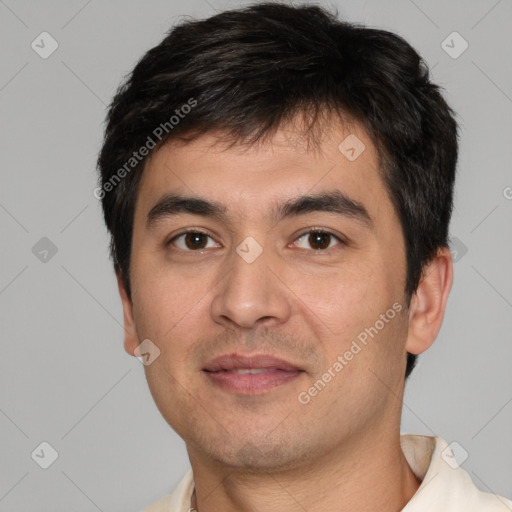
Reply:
x=444, y=486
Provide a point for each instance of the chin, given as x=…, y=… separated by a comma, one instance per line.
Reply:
x=257, y=455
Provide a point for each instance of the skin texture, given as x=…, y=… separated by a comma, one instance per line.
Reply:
x=268, y=451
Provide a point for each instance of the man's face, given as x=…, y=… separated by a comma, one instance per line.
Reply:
x=258, y=280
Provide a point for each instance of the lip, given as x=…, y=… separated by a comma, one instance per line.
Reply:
x=240, y=361
x=224, y=371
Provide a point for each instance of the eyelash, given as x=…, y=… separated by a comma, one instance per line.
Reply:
x=307, y=232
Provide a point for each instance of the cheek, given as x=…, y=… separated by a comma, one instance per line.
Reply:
x=165, y=298
x=354, y=313
x=341, y=301
x=167, y=389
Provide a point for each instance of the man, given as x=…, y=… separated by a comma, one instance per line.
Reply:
x=278, y=186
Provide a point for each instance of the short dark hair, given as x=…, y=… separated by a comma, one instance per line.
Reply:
x=247, y=71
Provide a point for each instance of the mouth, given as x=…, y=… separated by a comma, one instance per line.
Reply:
x=250, y=375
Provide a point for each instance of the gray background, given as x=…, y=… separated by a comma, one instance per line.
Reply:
x=64, y=375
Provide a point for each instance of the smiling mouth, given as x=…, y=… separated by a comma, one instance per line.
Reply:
x=251, y=381
x=249, y=370
x=250, y=375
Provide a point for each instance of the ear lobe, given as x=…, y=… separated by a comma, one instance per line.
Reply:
x=428, y=304
x=131, y=340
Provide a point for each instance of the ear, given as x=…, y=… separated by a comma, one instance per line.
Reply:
x=428, y=303
x=131, y=339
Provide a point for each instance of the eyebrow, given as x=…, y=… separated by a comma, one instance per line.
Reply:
x=333, y=202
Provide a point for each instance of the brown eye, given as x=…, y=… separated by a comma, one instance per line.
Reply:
x=193, y=241
x=317, y=240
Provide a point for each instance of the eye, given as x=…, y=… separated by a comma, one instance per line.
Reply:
x=317, y=240
x=193, y=241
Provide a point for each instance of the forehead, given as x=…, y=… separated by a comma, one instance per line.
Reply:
x=245, y=177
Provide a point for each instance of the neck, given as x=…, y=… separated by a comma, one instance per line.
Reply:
x=367, y=476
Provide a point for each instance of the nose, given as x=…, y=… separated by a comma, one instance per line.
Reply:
x=250, y=294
